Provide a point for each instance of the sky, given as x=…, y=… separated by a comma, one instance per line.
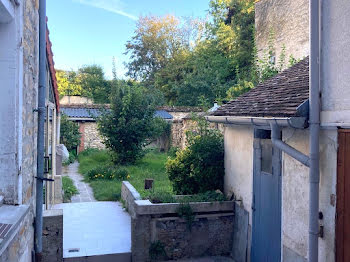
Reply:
x=85, y=32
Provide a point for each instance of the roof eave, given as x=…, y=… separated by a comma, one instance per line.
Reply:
x=261, y=122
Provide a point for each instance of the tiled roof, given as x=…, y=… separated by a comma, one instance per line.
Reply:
x=82, y=112
x=93, y=111
x=180, y=108
x=52, y=70
x=163, y=114
x=279, y=96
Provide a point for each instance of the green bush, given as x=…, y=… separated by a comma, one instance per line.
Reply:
x=129, y=125
x=107, y=173
x=70, y=135
x=199, y=167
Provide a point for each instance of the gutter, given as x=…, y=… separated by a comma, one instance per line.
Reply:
x=41, y=127
x=274, y=124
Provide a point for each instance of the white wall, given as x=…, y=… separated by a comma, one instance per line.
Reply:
x=335, y=63
x=295, y=193
x=239, y=164
x=295, y=185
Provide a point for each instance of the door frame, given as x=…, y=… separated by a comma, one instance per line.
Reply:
x=260, y=134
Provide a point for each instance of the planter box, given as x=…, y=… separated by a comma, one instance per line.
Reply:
x=158, y=232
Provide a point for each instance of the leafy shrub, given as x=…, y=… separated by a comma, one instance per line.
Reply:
x=199, y=167
x=172, y=151
x=129, y=125
x=70, y=135
x=107, y=173
x=69, y=189
x=71, y=159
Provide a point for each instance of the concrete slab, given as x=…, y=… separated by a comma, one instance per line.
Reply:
x=93, y=229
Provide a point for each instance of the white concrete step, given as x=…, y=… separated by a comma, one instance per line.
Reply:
x=123, y=257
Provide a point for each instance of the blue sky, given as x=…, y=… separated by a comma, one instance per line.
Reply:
x=86, y=32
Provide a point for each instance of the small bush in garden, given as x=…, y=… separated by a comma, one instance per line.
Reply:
x=200, y=166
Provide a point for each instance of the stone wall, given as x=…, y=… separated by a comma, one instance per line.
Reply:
x=53, y=235
x=158, y=232
x=22, y=242
x=23, y=166
x=289, y=21
x=90, y=136
x=180, y=127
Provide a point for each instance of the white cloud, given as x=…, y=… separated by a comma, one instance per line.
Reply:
x=114, y=6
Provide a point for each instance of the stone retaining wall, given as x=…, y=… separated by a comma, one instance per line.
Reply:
x=53, y=235
x=158, y=233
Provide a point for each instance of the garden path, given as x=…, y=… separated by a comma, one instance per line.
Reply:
x=85, y=192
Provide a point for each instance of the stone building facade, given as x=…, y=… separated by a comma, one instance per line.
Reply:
x=287, y=23
x=19, y=73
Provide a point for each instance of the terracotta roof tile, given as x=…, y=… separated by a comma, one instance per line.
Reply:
x=279, y=96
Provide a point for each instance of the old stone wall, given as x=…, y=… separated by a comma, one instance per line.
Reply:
x=288, y=20
x=180, y=127
x=24, y=165
x=22, y=243
x=92, y=137
x=158, y=233
x=53, y=235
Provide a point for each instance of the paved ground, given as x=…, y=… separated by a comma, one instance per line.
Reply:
x=85, y=192
x=93, y=229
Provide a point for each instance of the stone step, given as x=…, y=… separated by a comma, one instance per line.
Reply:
x=122, y=257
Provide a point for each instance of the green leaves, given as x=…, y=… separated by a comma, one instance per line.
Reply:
x=70, y=135
x=130, y=124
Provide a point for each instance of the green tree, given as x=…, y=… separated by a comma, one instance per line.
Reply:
x=69, y=132
x=68, y=84
x=94, y=84
x=157, y=40
x=129, y=125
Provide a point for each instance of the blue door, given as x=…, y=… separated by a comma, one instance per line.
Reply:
x=266, y=229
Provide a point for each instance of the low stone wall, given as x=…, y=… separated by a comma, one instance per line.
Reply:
x=53, y=235
x=129, y=196
x=159, y=233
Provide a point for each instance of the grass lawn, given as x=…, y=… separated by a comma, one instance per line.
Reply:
x=151, y=166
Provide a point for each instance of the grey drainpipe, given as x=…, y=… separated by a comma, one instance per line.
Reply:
x=278, y=143
x=41, y=123
x=314, y=128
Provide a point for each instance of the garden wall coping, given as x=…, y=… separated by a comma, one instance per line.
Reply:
x=145, y=207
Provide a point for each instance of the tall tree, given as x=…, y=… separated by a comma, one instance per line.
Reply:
x=94, y=84
x=68, y=84
x=156, y=41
